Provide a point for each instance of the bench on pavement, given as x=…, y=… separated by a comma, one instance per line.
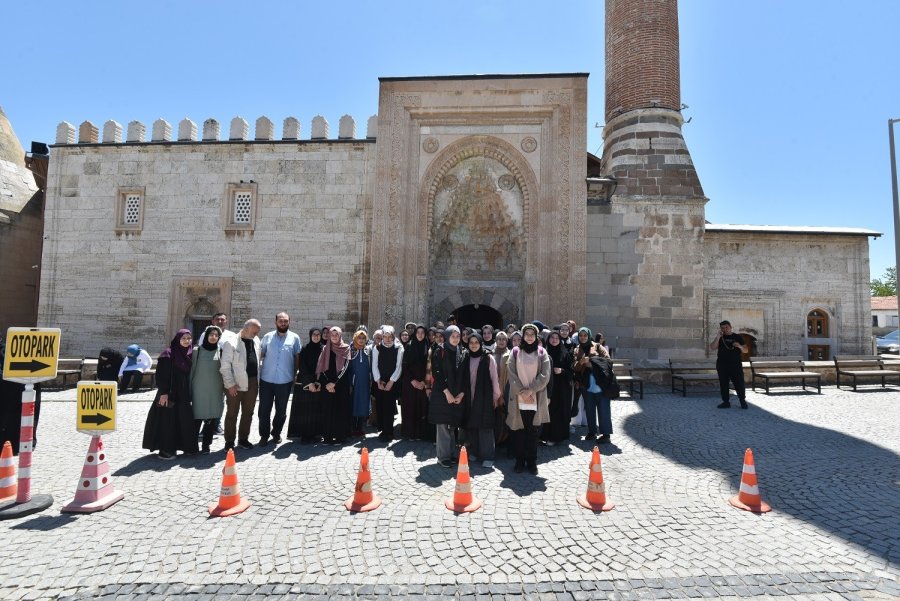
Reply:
x=863, y=366
x=692, y=371
x=779, y=369
x=66, y=368
x=624, y=375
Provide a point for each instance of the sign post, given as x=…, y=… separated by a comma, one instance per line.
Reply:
x=32, y=355
x=96, y=415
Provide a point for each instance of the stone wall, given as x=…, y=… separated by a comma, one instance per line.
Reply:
x=20, y=247
x=767, y=283
x=306, y=252
x=645, y=277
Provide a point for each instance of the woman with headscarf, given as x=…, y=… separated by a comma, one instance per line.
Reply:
x=307, y=406
x=207, y=386
x=445, y=407
x=387, y=365
x=361, y=371
x=481, y=397
x=332, y=374
x=501, y=355
x=413, y=399
x=515, y=339
x=560, y=394
x=487, y=338
x=404, y=337
x=528, y=370
x=170, y=423
x=131, y=371
x=595, y=402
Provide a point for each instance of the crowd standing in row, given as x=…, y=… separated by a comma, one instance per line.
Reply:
x=453, y=386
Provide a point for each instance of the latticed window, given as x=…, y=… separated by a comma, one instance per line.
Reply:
x=132, y=209
x=242, y=205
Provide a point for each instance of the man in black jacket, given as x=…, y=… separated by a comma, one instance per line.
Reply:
x=728, y=364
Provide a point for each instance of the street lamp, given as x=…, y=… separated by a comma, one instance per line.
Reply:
x=896, y=206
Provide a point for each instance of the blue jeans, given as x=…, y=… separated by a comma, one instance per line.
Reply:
x=594, y=403
x=269, y=393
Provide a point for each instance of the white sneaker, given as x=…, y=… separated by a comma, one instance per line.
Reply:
x=488, y=464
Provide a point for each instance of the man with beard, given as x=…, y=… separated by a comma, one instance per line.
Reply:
x=280, y=354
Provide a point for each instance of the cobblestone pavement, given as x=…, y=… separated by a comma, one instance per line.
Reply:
x=827, y=464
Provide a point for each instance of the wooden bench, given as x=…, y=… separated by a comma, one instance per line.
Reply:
x=863, y=366
x=624, y=375
x=774, y=370
x=690, y=371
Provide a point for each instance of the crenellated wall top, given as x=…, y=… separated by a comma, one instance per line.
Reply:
x=210, y=130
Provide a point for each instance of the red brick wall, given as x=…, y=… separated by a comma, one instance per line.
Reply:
x=641, y=55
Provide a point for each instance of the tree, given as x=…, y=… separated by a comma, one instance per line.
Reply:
x=886, y=287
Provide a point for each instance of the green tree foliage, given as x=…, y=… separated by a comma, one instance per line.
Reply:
x=887, y=286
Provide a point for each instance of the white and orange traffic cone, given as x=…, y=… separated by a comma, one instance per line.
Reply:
x=463, y=501
x=595, y=496
x=363, y=498
x=7, y=474
x=748, y=497
x=230, y=502
x=95, y=490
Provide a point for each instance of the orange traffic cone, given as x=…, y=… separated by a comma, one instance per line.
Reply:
x=463, y=501
x=95, y=490
x=363, y=499
x=595, y=496
x=748, y=498
x=230, y=502
x=8, y=485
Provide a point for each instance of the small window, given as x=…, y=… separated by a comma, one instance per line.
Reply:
x=241, y=207
x=130, y=210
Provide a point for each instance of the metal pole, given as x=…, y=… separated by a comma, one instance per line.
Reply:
x=896, y=205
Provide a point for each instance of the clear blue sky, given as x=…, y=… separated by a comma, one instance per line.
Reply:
x=789, y=100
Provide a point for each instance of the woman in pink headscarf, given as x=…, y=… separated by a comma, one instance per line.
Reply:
x=333, y=375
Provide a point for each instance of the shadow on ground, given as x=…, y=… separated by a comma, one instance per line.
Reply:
x=837, y=482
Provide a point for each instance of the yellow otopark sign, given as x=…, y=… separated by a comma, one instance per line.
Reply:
x=32, y=354
x=96, y=403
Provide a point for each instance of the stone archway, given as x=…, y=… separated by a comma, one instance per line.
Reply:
x=477, y=316
x=503, y=300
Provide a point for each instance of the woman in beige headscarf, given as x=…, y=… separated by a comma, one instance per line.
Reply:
x=528, y=370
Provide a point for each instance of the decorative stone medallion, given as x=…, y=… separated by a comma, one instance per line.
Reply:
x=507, y=181
x=431, y=145
x=449, y=182
x=529, y=144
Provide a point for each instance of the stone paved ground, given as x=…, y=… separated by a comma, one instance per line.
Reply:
x=827, y=464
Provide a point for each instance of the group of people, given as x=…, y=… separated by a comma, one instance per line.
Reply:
x=453, y=386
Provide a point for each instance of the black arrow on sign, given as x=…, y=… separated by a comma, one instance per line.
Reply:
x=32, y=366
x=97, y=418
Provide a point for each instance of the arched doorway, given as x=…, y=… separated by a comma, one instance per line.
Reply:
x=818, y=338
x=476, y=316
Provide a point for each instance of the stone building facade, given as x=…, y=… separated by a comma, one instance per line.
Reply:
x=469, y=194
x=21, y=224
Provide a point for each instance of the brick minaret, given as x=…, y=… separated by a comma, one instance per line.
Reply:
x=645, y=246
x=643, y=146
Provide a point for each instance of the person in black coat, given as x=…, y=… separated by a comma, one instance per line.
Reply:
x=170, y=423
x=11, y=409
x=560, y=391
x=445, y=407
x=335, y=379
x=481, y=396
x=307, y=407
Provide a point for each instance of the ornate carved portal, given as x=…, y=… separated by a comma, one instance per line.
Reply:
x=193, y=301
x=478, y=198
